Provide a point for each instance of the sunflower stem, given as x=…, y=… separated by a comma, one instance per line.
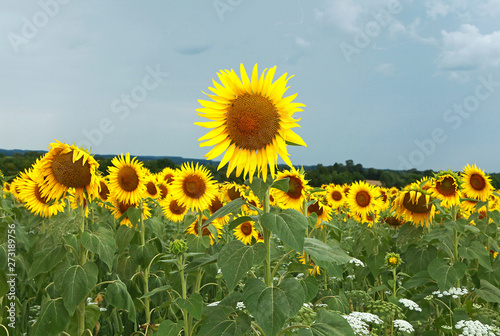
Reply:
x=185, y=313
x=146, y=270
x=82, y=259
x=267, y=241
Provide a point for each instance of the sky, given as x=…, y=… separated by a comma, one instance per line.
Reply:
x=388, y=84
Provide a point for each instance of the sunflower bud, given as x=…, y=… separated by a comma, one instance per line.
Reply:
x=178, y=246
x=393, y=260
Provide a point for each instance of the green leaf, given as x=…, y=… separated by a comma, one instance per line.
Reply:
x=325, y=256
x=52, y=320
x=419, y=279
x=71, y=282
x=44, y=261
x=4, y=286
x=92, y=314
x=124, y=236
x=142, y=254
x=232, y=207
x=310, y=286
x=236, y=259
x=482, y=254
x=169, y=328
x=282, y=184
x=271, y=306
x=238, y=221
x=418, y=258
x=156, y=290
x=102, y=243
x=446, y=275
x=221, y=326
x=328, y=323
x=259, y=187
x=193, y=305
x=488, y=292
x=118, y=296
x=290, y=226
x=202, y=261
x=197, y=244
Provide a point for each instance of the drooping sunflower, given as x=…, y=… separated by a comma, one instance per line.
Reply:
x=31, y=194
x=120, y=207
x=194, y=187
x=65, y=167
x=172, y=209
x=363, y=198
x=245, y=232
x=476, y=184
x=446, y=187
x=414, y=206
x=297, y=186
x=335, y=195
x=251, y=121
x=127, y=179
x=315, y=269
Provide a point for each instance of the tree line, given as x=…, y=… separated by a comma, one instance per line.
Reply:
x=318, y=175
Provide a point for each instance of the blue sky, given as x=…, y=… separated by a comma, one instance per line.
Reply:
x=392, y=84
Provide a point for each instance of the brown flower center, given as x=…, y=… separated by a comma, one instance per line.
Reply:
x=215, y=205
x=71, y=174
x=336, y=195
x=246, y=228
x=176, y=208
x=194, y=186
x=252, y=121
x=446, y=186
x=315, y=208
x=163, y=190
x=104, y=192
x=418, y=207
x=151, y=188
x=123, y=207
x=168, y=178
x=295, y=187
x=39, y=196
x=233, y=193
x=128, y=178
x=477, y=182
x=363, y=198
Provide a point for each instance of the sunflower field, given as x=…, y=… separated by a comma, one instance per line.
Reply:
x=129, y=252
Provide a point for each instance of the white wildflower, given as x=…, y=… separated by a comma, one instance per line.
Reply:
x=403, y=326
x=240, y=305
x=411, y=305
x=351, y=277
x=473, y=328
x=356, y=262
x=359, y=322
x=454, y=292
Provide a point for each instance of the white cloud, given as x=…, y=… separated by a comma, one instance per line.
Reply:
x=438, y=8
x=386, y=69
x=491, y=7
x=468, y=49
x=343, y=14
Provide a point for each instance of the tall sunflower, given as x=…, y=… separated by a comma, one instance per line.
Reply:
x=297, y=186
x=414, y=206
x=194, y=187
x=172, y=209
x=127, y=179
x=363, y=198
x=31, y=194
x=476, y=183
x=245, y=232
x=446, y=187
x=65, y=167
x=251, y=121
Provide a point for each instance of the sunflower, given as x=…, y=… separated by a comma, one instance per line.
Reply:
x=127, y=179
x=476, y=184
x=393, y=221
x=194, y=187
x=363, y=198
x=103, y=188
x=167, y=175
x=369, y=218
x=297, y=185
x=194, y=229
x=6, y=189
x=315, y=269
x=215, y=204
x=232, y=191
x=446, y=187
x=172, y=209
x=120, y=207
x=65, y=167
x=152, y=189
x=245, y=232
x=414, y=205
x=163, y=188
x=335, y=195
x=31, y=194
x=251, y=121
x=320, y=208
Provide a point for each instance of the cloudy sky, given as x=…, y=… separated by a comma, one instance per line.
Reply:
x=392, y=84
